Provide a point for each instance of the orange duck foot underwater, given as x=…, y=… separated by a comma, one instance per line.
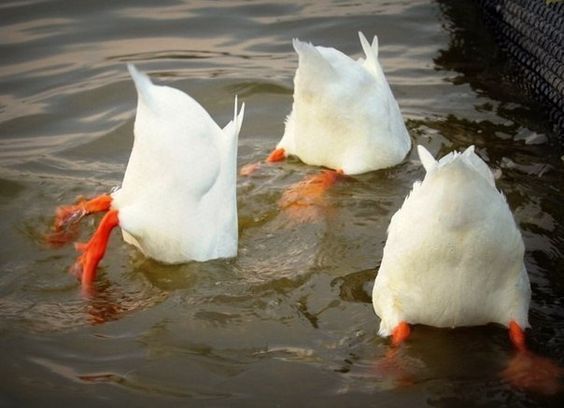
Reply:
x=529, y=371
x=526, y=370
x=93, y=251
x=306, y=201
x=277, y=155
x=303, y=201
x=71, y=214
x=67, y=218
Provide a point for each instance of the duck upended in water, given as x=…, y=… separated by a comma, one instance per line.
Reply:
x=177, y=202
x=344, y=114
x=454, y=255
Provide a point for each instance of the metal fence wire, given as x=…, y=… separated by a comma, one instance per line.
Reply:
x=531, y=34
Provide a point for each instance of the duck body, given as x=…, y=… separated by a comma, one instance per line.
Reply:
x=344, y=115
x=177, y=202
x=454, y=255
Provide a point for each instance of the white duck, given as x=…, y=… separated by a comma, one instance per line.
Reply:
x=454, y=255
x=344, y=114
x=177, y=202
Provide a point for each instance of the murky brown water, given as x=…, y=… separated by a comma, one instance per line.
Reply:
x=289, y=321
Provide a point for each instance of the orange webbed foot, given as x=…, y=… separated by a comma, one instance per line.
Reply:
x=394, y=369
x=93, y=251
x=305, y=201
x=529, y=371
x=65, y=226
x=71, y=214
x=276, y=155
x=67, y=217
x=249, y=169
x=392, y=366
x=60, y=237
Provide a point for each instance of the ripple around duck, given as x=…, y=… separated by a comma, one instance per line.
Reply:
x=292, y=311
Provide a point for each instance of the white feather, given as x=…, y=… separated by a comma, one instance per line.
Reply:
x=344, y=114
x=454, y=255
x=177, y=201
x=427, y=160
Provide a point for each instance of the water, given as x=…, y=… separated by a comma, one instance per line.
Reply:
x=289, y=321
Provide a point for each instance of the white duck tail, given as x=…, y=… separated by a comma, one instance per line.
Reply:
x=454, y=254
x=178, y=197
x=344, y=115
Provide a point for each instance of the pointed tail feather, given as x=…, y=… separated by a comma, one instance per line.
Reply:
x=371, y=51
x=470, y=156
x=233, y=128
x=371, y=63
x=142, y=82
x=229, y=142
x=238, y=119
x=312, y=64
x=427, y=159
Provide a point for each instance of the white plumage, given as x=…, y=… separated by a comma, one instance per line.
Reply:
x=178, y=198
x=454, y=255
x=344, y=114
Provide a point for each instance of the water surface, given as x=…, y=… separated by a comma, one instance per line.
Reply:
x=289, y=321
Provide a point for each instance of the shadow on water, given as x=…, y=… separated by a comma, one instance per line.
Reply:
x=290, y=319
x=474, y=55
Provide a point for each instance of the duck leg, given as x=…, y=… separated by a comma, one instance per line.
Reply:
x=93, y=251
x=306, y=200
x=400, y=333
x=275, y=156
x=529, y=371
x=393, y=367
x=67, y=217
x=70, y=214
x=517, y=336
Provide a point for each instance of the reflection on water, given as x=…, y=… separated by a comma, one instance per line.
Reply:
x=290, y=319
